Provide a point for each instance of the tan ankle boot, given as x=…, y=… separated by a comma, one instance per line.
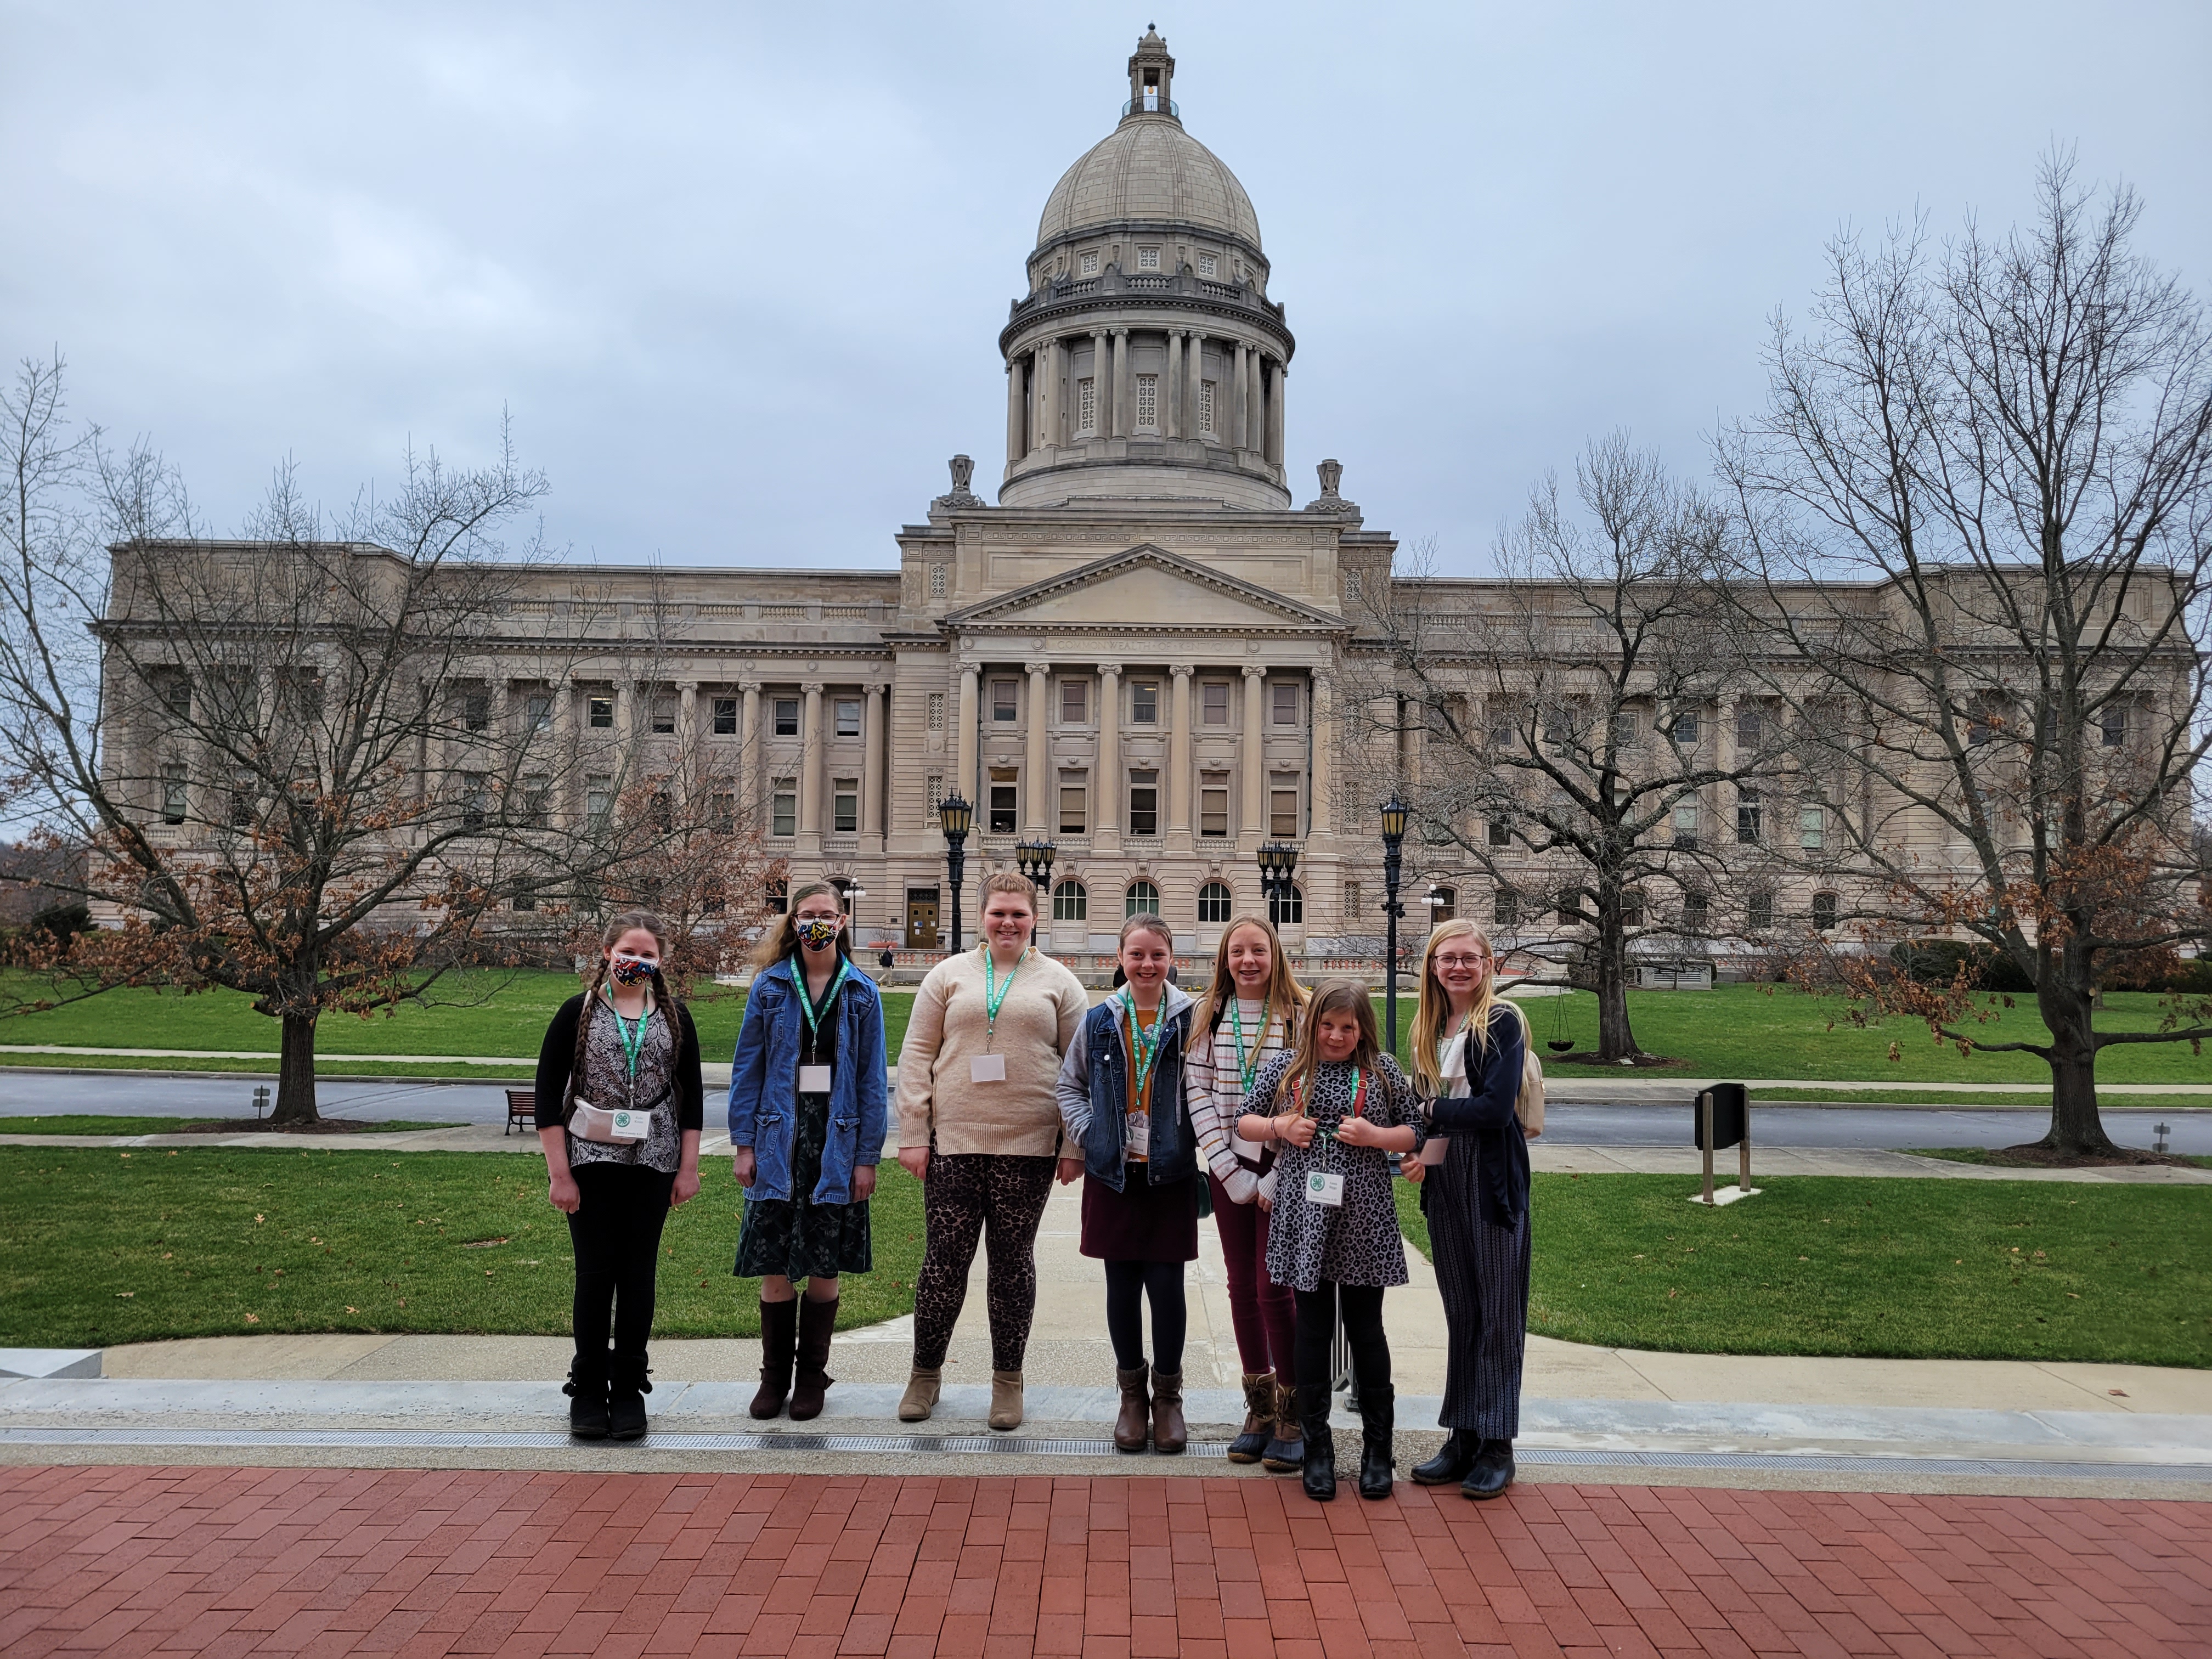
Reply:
x=1169, y=1434
x=1132, y=1428
x=1005, y=1400
x=922, y=1386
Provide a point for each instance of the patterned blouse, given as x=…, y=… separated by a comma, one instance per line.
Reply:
x=605, y=1083
x=1357, y=1242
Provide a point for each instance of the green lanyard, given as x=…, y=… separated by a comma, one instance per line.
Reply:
x=995, y=994
x=828, y=999
x=1251, y=1067
x=1144, y=1045
x=633, y=1046
x=1328, y=1137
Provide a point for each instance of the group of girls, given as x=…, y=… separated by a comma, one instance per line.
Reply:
x=1270, y=1109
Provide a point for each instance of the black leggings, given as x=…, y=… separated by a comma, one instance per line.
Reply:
x=617, y=1234
x=1127, y=1283
x=1363, y=1331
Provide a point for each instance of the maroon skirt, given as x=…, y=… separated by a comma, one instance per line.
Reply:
x=1142, y=1222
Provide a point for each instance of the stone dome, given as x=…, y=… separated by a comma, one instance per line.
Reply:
x=1148, y=169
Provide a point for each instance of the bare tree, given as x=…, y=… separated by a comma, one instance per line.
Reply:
x=1976, y=515
x=1561, y=729
x=318, y=765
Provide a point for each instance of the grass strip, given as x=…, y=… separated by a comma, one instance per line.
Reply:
x=1984, y=1155
x=443, y=1071
x=98, y=1247
x=1864, y=1265
x=85, y=1123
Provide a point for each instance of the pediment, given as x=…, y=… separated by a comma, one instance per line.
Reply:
x=1149, y=588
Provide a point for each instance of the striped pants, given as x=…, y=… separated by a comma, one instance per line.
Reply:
x=1482, y=1272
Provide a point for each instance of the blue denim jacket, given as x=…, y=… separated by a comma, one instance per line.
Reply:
x=764, y=1083
x=1094, y=1096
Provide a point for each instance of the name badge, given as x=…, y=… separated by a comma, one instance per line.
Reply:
x=1434, y=1148
x=814, y=1079
x=1324, y=1188
x=1138, y=1134
x=986, y=1068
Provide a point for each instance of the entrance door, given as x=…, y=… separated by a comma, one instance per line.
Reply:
x=921, y=919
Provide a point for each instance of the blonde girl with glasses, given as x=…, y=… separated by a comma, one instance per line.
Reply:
x=1469, y=1049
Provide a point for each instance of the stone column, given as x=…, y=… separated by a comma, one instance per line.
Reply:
x=1041, y=367
x=1017, y=435
x=1320, y=778
x=1179, y=780
x=1125, y=415
x=1278, y=373
x=1055, y=428
x=871, y=769
x=1039, y=748
x=1106, y=787
x=810, y=762
x=1256, y=771
x=749, y=749
x=964, y=783
x=1239, y=414
x=1171, y=388
x=687, y=716
x=565, y=750
x=1102, y=384
x=1194, y=371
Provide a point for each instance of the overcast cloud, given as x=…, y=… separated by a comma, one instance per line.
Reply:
x=738, y=270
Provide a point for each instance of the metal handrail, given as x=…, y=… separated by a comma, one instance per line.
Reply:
x=1174, y=108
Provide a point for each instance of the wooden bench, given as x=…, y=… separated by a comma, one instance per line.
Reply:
x=521, y=1109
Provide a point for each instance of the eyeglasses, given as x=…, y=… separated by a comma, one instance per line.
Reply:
x=1460, y=962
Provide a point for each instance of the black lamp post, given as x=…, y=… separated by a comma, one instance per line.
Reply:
x=954, y=815
x=1395, y=811
x=1279, y=861
x=1035, y=858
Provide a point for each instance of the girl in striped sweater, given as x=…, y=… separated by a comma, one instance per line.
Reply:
x=1248, y=1014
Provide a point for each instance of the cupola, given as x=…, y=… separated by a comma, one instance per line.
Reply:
x=1151, y=78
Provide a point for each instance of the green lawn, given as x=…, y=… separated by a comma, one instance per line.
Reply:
x=1981, y=1155
x=437, y=1070
x=81, y=1123
x=1913, y=1269
x=99, y=1248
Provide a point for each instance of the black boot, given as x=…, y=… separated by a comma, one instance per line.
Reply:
x=779, y=1323
x=586, y=1388
x=627, y=1388
x=1378, y=1417
x=816, y=1320
x=1492, y=1472
x=1320, y=1466
x=1452, y=1461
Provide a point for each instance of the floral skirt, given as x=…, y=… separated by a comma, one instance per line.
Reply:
x=795, y=1236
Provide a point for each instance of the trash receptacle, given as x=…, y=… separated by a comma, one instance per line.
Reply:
x=1721, y=1117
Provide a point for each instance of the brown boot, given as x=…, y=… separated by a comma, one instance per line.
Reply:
x=1169, y=1434
x=1006, y=1401
x=1259, y=1418
x=779, y=1321
x=1132, y=1428
x=816, y=1322
x=922, y=1386
x=1286, y=1452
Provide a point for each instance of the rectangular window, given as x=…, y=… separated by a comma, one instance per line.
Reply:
x=2112, y=725
x=599, y=712
x=1505, y=909
x=1748, y=818
x=787, y=717
x=538, y=710
x=1091, y=264
x=1144, y=703
x=664, y=715
x=1206, y=407
x=1006, y=699
x=1758, y=912
x=726, y=717
x=1748, y=728
x=1824, y=911
x=175, y=692
x=845, y=807
x=1686, y=728
x=1144, y=803
x=1624, y=729
x=1074, y=809
x=848, y=717
x=1696, y=910
x=1074, y=701
x=1213, y=697
x=783, y=810
x=1208, y=265
x=1501, y=832
x=1285, y=694
x=475, y=711
x=1148, y=258
x=1213, y=804
x=1812, y=828
x=1086, y=404
x=777, y=897
x=600, y=801
x=937, y=711
x=1283, y=810
x=1148, y=401
x=476, y=799
x=173, y=793
x=537, y=801
x=1686, y=823
x=1002, y=821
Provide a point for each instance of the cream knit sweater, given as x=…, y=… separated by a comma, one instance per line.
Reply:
x=950, y=1026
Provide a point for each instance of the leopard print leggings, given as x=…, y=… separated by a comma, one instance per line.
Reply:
x=1000, y=1200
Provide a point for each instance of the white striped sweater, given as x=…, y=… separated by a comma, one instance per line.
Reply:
x=1213, y=1088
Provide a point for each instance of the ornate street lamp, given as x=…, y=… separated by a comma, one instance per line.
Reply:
x=954, y=816
x=1036, y=859
x=1395, y=813
x=1279, y=861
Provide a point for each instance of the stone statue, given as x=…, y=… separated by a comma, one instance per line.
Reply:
x=1332, y=475
x=964, y=469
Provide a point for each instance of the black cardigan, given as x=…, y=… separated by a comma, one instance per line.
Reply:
x=1486, y=1113
x=558, y=1056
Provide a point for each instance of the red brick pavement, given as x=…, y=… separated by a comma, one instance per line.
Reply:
x=408, y=1563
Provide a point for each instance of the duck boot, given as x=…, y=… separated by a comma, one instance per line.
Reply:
x=1492, y=1472
x=923, y=1385
x=1286, y=1452
x=626, y=1386
x=1378, y=1425
x=779, y=1324
x=1452, y=1461
x=1132, y=1428
x=1170, y=1434
x=1259, y=1418
x=1320, y=1466
x=586, y=1388
x=816, y=1320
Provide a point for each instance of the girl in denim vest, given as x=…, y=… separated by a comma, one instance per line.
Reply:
x=806, y=1129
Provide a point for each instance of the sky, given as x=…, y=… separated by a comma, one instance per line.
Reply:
x=736, y=272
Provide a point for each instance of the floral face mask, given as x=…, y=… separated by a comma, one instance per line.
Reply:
x=627, y=971
x=817, y=932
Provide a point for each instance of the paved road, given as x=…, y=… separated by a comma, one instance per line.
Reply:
x=1571, y=1126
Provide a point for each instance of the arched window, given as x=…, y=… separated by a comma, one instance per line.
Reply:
x=1071, y=901
x=1287, y=909
x=1824, y=912
x=1215, y=901
x=1143, y=899
x=1443, y=904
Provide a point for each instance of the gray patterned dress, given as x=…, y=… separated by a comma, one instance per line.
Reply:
x=1357, y=1242
x=605, y=1082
